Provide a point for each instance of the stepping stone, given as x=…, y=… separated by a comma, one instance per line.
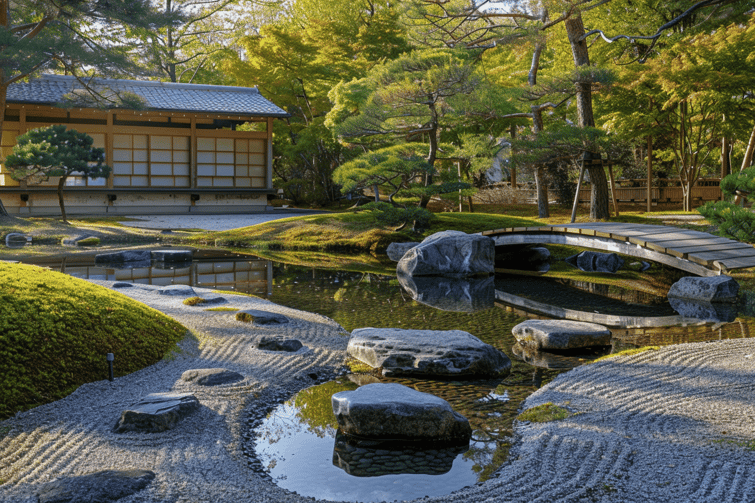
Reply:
x=211, y=377
x=443, y=353
x=213, y=300
x=122, y=284
x=561, y=334
x=706, y=289
x=263, y=317
x=450, y=253
x=101, y=487
x=157, y=412
x=184, y=290
x=172, y=255
x=276, y=344
x=123, y=256
x=393, y=412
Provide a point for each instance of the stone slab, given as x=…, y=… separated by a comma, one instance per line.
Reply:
x=157, y=412
x=176, y=290
x=264, y=317
x=98, y=487
x=442, y=353
x=211, y=377
x=561, y=334
x=278, y=344
x=706, y=289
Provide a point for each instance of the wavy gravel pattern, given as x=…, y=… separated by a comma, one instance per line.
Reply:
x=672, y=425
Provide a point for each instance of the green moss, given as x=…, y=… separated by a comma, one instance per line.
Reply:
x=245, y=317
x=193, y=301
x=544, y=413
x=222, y=309
x=358, y=367
x=55, y=331
x=745, y=444
x=627, y=352
x=237, y=293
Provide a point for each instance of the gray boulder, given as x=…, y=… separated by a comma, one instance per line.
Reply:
x=443, y=353
x=591, y=261
x=97, y=487
x=263, y=317
x=157, y=412
x=172, y=255
x=278, y=344
x=123, y=256
x=16, y=240
x=183, y=290
x=561, y=334
x=397, y=250
x=708, y=289
x=393, y=411
x=450, y=253
x=462, y=295
x=211, y=377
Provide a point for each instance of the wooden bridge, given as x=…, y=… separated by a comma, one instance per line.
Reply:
x=696, y=252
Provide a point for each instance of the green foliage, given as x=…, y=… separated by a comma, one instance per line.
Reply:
x=390, y=215
x=222, y=309
x=193, y=301
x=732, y=221
x=315, y=409
x=55, y=331
x=244, y=317
x=90, y=241
x=742, y=181
x=544, y=413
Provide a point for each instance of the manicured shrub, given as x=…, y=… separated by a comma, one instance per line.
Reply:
x=733, y=221
x=56, y=330
x=193, y=301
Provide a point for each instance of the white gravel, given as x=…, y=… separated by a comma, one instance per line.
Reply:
x=674, y=425
x=210, y=222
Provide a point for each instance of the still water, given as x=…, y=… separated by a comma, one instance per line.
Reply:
x=298, y=442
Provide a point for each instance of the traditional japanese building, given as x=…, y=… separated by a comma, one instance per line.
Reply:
x=191, y=148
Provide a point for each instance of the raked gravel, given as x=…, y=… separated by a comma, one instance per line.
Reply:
x=672, y=425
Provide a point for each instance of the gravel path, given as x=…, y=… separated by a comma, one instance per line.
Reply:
x=672, y=425
x=211, y=222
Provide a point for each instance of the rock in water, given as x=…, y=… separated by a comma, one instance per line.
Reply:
x=157, y=412
x=561, y=334
x=99, y=487
x=709, y=289
x=444, y=353
x=590, y=261
x=450, y=253
x=123, y=256
x=395, y=412
x=396, y=251
x=172, y=255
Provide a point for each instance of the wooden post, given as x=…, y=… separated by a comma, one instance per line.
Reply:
x=650, y=174
x=613, y=189
x=576, y=196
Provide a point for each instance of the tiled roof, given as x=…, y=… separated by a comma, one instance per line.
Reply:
x=167, y=96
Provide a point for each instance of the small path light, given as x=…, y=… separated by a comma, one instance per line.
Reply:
x=110, y=358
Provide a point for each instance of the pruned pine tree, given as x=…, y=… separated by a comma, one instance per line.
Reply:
x=55, y=151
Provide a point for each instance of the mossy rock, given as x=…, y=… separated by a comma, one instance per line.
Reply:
x=544, y=413
x=56, y=330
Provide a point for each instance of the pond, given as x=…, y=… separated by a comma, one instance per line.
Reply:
x=300, y=435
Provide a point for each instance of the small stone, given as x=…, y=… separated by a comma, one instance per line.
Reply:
x=157, y=412
x=277, y=344
x=183, y=290
x=591, y=261
x=561, y=334
x=263, y=317
x=100, y=487
x=211, y=377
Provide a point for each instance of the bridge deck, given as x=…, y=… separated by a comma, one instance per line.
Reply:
x=694, y=251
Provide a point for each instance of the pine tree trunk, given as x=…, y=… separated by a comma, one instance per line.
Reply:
x=599, y=185
x=542, y=192
x=61, y=183
x=3, y=92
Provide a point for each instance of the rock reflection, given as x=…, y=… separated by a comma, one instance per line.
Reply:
x=554, y=361
x=704, y=311
x=462, y=295
x=365, y=461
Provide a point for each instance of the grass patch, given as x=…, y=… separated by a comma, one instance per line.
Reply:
x=237, y=293
x=222, y=309
x=745, y=444
x=544, y=413
x=91, y=241
x=55, y=331
x=193, y=301
x=244, y=317
x=627, y=352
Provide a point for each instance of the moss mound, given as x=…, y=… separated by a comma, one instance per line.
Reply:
x=56, y=330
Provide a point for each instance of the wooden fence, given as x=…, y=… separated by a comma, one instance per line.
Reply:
x=670, y=191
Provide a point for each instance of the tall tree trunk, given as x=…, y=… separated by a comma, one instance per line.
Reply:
x=431, y=155
x=575, y=30
x=747, y=161
x=4, y=5
x=61, y=183
x=541, y=184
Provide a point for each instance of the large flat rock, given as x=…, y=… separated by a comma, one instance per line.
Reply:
x=706, y=289
x=392, y=411
x=98, y=487
x=211, y=377
x=561, y=334
x=450, y=253
x=443, y=353
x=157, y=412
